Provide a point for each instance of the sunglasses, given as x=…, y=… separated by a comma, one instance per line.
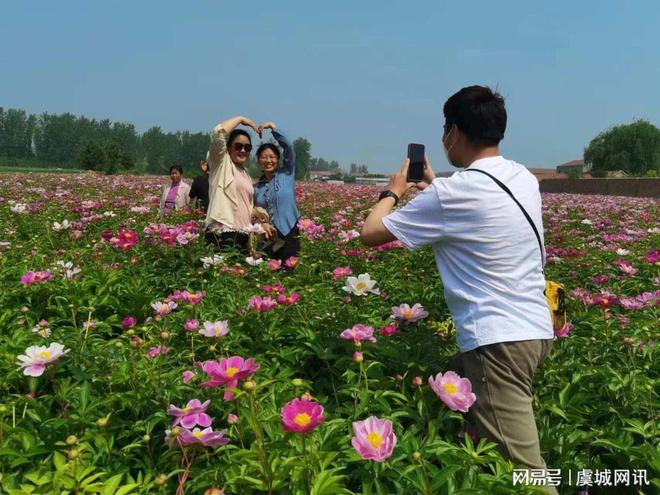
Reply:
x=242, y=147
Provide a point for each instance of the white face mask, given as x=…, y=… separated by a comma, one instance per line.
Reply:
x=445, y=149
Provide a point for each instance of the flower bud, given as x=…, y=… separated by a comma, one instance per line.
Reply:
x=212, y=348
x=130, y=332
x=417, y=381
x=249, y=385
x=102, y=422
x=164, y=335
x=214, y=491
x=3, y=409
x=161, y=479
x=71, y=440
x=358, y=357
x=146, y=438
x=307, y=396
x=232, y=419
x=297, y=382
x=416, y=456
x=73, y=453
x=24, y=309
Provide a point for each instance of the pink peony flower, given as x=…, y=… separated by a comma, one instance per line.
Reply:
x=228, y=372
x=407, y=314
x=262, y=304
x=275, y=289
x=215, y=329
x=193, y=297
x=388, y=330
x=128, y=322
x=359, y=333
x=341, y=272
x=625, y=266
x=358, y=357
x=36, y=277
x=630, y=303
x=193, y=414
x=184, y=437
x=288, y=300
x=232, y=419
x=604, y=300
x=191, y=325
x=454, y=391
x=124, y=240
x=564, y=331
x=158, y=350
x=36, y=358
x=301, y=416
x=274, y=265
x=164, y=308
x=187, y=376
x=653, y=257
x=291, y=262
x=373, y=439
x=600, y=279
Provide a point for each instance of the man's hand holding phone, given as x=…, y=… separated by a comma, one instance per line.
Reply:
x=399, y=182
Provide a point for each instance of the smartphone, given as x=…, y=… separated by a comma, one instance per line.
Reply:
x=416, y=166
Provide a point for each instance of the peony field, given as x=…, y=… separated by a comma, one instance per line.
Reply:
x=137, y=360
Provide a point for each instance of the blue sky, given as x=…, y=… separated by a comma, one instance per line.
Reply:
x=358, y=79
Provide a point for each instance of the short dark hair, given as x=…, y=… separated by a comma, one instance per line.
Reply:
x=268, y=146
x=479, y=113
x=176, y=167
x=234, y=134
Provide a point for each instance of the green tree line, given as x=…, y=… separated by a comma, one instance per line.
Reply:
x=70, y=141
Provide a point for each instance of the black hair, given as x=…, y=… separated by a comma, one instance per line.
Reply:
x=234, y=134
x=268, y=146
x=176, y=167
x=479, y=113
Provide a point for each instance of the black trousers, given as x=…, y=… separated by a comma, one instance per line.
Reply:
x=290, y=248
x=228, y=240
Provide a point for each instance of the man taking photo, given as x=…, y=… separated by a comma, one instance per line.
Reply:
x=490, y=262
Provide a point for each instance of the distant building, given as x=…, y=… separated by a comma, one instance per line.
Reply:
x=321, y=175
x=573, y=165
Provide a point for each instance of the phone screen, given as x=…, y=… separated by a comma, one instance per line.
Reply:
x=416, y=166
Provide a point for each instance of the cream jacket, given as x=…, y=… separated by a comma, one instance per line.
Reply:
x=182, y=199
x=223, y=200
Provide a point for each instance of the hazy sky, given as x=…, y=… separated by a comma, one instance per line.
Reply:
x=358, y=79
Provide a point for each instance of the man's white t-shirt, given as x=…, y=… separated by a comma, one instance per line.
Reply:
x=486, y=251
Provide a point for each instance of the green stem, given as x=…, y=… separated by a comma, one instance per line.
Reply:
x=263, y=457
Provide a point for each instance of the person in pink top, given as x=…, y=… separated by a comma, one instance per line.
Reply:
x=175, y=194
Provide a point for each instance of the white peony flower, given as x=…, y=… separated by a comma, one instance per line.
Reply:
x=361, y=285
x=254, y=262
x=209, y=261
x=58, y=227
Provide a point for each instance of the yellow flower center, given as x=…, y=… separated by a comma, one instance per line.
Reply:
x=408, y=314
x=360, y=286
x=374, y=439
x=231, y=372
x=44, y=355
x=187, y=409
x=302, y=419
x=450, y=388
x=197, y=434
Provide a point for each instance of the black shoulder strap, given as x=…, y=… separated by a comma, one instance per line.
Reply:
x=508, y=191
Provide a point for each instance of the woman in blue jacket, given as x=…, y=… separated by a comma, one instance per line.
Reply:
x=276, y=193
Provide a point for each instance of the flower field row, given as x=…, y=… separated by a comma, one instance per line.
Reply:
x=137, y=360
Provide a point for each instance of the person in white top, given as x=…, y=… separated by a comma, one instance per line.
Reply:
x=490, y=263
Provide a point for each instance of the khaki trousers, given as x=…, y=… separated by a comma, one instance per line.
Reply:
x=501, y=376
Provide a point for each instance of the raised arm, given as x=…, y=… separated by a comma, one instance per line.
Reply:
x=289, y=155
x=219, y=138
